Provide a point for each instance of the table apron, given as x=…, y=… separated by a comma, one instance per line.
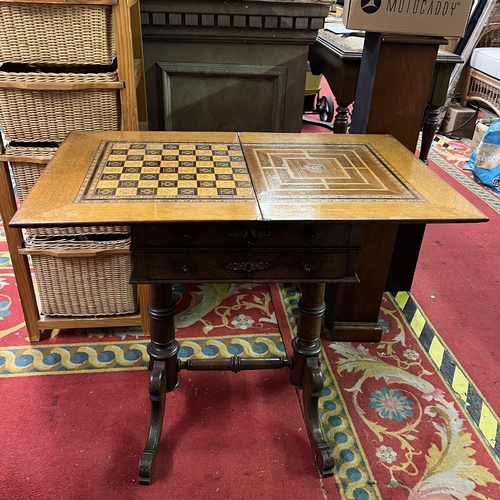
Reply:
x=242, y=234
x=334, y=265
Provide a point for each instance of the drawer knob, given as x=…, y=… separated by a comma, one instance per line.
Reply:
x=307, y=268
x=186, y=269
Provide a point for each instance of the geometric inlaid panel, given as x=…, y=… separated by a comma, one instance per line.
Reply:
x=339, y=172
x=155, y=171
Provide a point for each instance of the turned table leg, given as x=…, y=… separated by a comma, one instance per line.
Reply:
x=162, y=352
x=341, y=120
x=306, y=371
x=431, y=124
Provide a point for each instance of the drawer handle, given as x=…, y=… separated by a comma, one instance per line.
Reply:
x=245, y=233
x=250, y=234
x=186, y=269
x=307, y=268
x=248, y=266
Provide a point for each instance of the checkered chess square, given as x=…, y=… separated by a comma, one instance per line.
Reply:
x=142, y=171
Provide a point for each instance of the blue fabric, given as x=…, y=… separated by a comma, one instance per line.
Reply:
x=485, y=159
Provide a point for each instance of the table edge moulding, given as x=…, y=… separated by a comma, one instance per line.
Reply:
x=248, y=207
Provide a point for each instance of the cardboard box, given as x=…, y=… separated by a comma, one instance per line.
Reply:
x=412, y=17
x=459, y=121
x=481, y=127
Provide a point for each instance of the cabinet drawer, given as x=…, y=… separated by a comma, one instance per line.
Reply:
x=301, y=266
x=250, y=235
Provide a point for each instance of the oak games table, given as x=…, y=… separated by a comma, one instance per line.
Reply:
x=248, y=207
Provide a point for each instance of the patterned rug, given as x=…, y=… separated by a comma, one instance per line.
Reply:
x=398, y=429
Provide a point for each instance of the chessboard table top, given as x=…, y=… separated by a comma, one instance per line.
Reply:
x=135, y=177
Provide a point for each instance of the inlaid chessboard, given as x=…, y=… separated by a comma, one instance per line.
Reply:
x=195, y=171
x=350, y=172
x=142, y=171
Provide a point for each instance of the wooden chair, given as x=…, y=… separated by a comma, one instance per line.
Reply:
x=482, y=73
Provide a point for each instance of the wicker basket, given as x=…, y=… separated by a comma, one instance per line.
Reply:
x=482, y=88
x=45, y=107
x=29, y=165
x=55, y=34
x=83, y=277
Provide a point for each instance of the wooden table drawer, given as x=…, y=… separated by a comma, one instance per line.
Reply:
x=300, y=266
x=253, y=234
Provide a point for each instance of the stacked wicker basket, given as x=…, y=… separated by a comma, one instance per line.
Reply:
x=58, y=74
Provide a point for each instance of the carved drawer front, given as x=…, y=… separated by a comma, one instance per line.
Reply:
x=250, y=235
x=241, y=266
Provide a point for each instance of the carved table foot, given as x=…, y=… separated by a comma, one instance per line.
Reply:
x=164, y=378
x=157, y=398
x=306, y=371
x=312, y=388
